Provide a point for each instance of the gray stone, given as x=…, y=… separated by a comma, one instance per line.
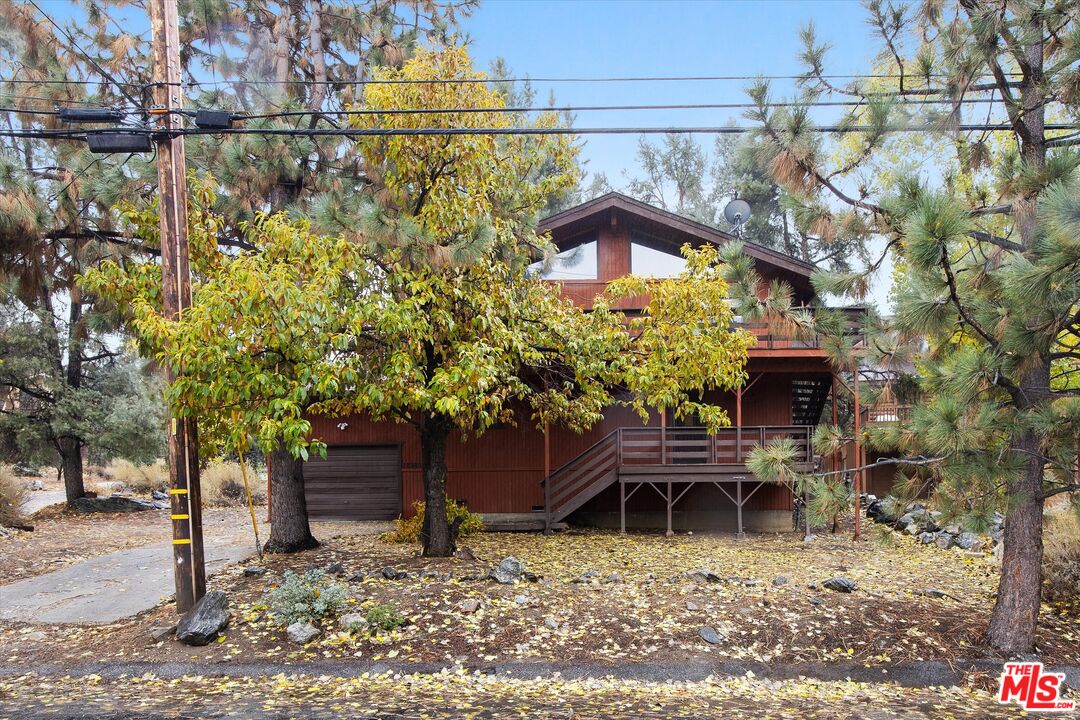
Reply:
x=751, y=583
x=254, y=571
x=779, y=580
x=159, y=495
x=112, y=504
x=35, y=636
x=613, y=578
x=394, y=574
x=710, y=635
x=907, y=518
x=839, y=583
x=521, y=599
x=968, y=541
x=202, y=623
x=927, y=537
x=911, y=529
x=692, y=606
x=335, y=569
x=586, y=577
x=943, y=540
x=952, y=529
x=469, y=606
x=357, y=577
x=703, y=576
x=302, y=633
x=35, y=486
x=353, y=622
x=161, y=632
x=936, y=593
x=508, y=571
x=815, y=600
x=551, y=623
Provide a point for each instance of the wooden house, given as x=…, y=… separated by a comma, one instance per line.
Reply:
x=661, y=474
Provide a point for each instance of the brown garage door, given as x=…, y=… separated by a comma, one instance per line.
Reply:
x=354, y=483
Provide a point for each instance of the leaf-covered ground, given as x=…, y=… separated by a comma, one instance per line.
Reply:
x=456, y=694
x=650, y=613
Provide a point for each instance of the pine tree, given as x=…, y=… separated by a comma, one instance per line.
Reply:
x=988, y=297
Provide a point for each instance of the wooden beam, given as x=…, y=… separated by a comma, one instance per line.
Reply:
x=858, y=456
x=670, y=532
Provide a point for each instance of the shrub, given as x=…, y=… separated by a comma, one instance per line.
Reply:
x=12, y=496
x=1061, y=557
x=223, y=484
x=385, y=617
x=407, y=530
x=307, y=597
x=141, y=479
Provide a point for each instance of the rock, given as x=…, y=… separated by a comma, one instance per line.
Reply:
x=353, y=622
x=927, y=537
x=469, y=606
x=943, y=540
x=355, y=578
x=335, y=569
x=613, y=578
x=779, y=580
x=751, y=583
x=692, y=606
x=935, y=593
x=952, y=529
x=703, y=576
x=302, y=633
x=815, y=600
x=710, y=635
x=159, y=495
x=508, y=571
x=37, y=636
x=551, y=623
x=394, y=574
x=912, y=529
x=254, y=571
x=839, y=583
x=112, y=504
x=586, y=577
x=968, y=541
x=809, y=538
x=35, y=486
x=521, y=599
x=161, y=632
x=907, y=518
x=202, y=623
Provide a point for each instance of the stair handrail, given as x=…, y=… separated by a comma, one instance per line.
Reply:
x=581, y=454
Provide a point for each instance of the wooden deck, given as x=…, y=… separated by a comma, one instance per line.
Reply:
x=670, y=460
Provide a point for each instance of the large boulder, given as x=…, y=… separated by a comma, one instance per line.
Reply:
x=508, y=571
x=113, y=504
x=302, y=633
x=202, y=623
x=968, y=541
x=839, y=583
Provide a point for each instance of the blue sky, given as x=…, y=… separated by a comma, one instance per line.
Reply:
x=598, y=38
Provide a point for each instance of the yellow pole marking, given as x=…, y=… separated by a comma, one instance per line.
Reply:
x=182, y=541
x=179, y=517
x=178, y=491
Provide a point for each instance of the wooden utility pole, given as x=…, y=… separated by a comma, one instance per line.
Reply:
x=188, y=567
x=858, y=455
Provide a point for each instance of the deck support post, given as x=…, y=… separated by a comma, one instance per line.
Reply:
x=670, y=532
x=738, y=512
x=547, y=479
x=622, y=507
x=738, y=425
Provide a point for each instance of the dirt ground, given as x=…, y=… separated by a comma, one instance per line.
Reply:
x=768, y=603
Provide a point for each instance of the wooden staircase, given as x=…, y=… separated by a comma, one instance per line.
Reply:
x=808, y=397
x=583, y=478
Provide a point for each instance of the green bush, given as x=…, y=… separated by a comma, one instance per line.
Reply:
x=304, y=598
x=407, y=530
x=385, y=617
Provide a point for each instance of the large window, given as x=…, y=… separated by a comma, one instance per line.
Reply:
x=650, y=262
x=575, y=264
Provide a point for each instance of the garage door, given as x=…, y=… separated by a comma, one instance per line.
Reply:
x=354, y=483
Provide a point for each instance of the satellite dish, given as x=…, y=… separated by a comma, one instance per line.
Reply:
x=737, y=212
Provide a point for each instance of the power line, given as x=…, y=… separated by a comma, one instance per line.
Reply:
x=437, y=131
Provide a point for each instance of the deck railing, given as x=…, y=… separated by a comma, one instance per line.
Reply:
x=697, y=446
x=892, y=412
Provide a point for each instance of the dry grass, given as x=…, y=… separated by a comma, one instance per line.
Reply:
x=223, y=485
x=12, y=496
x=141, y=479
x=1061, y=557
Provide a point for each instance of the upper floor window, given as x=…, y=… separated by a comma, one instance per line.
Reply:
x=650, y=262
x=575, y=264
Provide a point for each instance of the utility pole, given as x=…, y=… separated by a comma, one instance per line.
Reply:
x=184, y=495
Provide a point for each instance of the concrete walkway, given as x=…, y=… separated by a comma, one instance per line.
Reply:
x=106, y=588
x=39, y=499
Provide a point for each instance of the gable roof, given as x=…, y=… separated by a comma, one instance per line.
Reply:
x=662, y=229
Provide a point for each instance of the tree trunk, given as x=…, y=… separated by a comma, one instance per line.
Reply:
x=289, y=528
x=71, y=466
x=436, y=531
